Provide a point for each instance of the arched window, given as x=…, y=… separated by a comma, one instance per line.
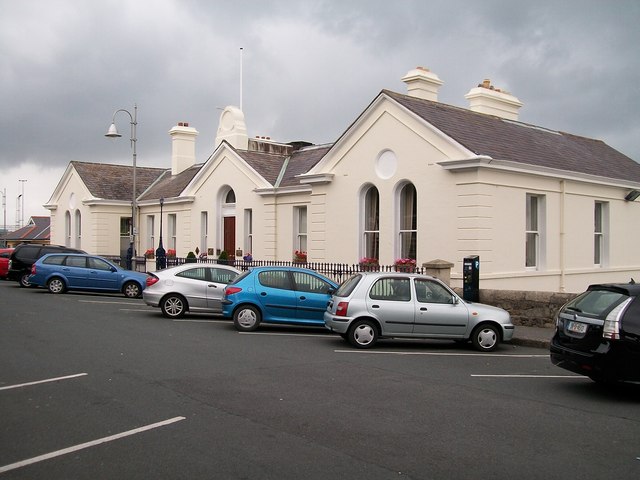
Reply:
x=67, y=228
x=78, y=229
x=371, y=226
x=230, y=197
x=408, y=225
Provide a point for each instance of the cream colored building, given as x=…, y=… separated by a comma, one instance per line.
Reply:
x=410, y=178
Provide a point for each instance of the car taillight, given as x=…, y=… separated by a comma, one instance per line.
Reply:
x=231, y=290
x=611, y=327
x=33, y=269
x=151, y=279
x=341, y=309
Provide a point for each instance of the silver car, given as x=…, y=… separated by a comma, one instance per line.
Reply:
x=192, y=287
x=373, y=305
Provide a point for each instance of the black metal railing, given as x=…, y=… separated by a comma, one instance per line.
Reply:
x=335, y=271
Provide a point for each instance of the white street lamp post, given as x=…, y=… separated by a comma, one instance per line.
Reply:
x=113, y=133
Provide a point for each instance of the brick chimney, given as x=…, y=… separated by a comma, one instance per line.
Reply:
x=422, y=83
x=183, y=147
x=485, y=98
x=232, y=129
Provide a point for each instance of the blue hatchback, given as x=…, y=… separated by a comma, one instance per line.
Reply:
x=59, y=272
x=287, y=295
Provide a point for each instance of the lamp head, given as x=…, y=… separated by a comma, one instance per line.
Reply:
x=632, y=195
x=113, y=132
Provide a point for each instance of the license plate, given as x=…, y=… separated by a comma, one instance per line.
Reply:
x=576, y=327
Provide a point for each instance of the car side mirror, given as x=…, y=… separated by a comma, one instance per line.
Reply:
x=114, y=269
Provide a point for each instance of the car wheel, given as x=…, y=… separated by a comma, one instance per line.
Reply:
x=56, y=285
x=485, y=338
x=24, y=280
x=246, y=318
x=131, y=290
x=173, y=306
x=363, y=334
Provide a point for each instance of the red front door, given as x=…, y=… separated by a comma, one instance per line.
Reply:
x=229, y=235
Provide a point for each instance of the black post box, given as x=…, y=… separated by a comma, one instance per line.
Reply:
x=471, y=278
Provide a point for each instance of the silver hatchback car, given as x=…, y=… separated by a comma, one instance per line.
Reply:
x=373, y=305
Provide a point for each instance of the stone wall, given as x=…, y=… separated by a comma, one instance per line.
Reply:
x=533, y=309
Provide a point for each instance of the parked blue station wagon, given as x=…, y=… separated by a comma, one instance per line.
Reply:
x=59, y=272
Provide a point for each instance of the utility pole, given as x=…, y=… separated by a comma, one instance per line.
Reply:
x=22, y=209
x=18, y=212
x=4, y=209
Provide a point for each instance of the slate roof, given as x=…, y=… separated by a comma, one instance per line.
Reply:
x=301, y=162
x=270, y=166
x=37, y=230
x=519, y=142
x=170, y=186
x=115, y=182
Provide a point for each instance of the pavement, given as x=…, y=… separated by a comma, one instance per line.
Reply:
x=539, y=337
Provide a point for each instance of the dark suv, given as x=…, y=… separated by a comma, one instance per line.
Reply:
x=598, y=334
x=25, y=255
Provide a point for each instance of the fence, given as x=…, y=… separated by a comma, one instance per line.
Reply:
x=335, y=271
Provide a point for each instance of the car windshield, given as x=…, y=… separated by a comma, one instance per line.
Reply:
x=597, y=303
x=345, y=289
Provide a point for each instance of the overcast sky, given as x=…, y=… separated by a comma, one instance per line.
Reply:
x=309, y=68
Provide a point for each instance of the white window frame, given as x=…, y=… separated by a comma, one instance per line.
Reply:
x=151, y=225
x=204, y=231
x=369, y=237
x=601, y=234
x=300, y=228
x=248, y=231
x=535, y=232
x=401, y=249
x=78, y=229
x=67, y=228
x=172, y=221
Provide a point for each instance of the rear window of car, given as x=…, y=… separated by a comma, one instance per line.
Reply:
x=275, y=279
x=393, y=289
x=198, y=273
x=596, y=303
x=54, y=260
x=76, y=262
x=28, y=253
x=346, y=287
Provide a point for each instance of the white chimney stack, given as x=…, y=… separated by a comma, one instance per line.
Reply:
x=183, y=147
x=485, y=98
x=422, y=83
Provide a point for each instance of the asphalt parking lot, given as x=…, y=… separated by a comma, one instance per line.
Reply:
x=99, y=386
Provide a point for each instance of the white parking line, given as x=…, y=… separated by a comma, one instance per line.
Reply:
x=93, y=443
x=533, y=376
x=273, y=334
x=194, y=320
x=442, y=354
x=43, y=381
x=115, y=302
